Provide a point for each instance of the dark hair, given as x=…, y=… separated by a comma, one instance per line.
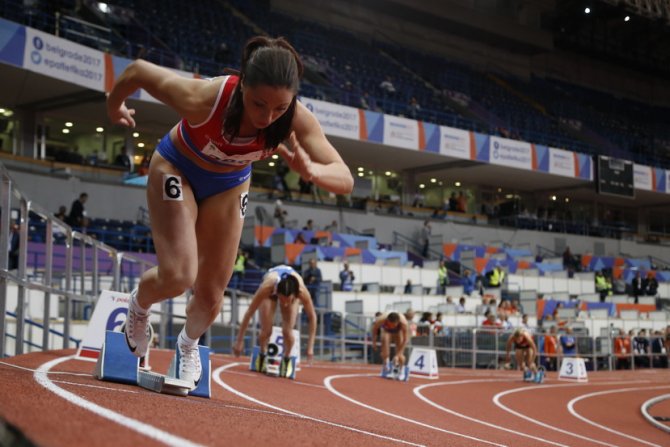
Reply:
x=272, y=62
x=393, y=317
x=288, y=285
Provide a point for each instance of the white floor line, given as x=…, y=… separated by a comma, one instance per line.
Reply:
x=216, y=375
x=571, y=408
x=41, y=375
x=328, y=382
x=418, y=389
x=497, y=397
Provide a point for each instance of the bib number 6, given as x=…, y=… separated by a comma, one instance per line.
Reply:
x=172, y=187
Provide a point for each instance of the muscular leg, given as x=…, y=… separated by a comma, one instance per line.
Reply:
x=399, y=358
x=520, y=359
x=173, y=232
x=289, y=315
x=266, y=312
x=219, y=228
x=530, y=359
x=386, y=346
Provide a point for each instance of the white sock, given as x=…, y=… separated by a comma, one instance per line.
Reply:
x=136, y=306
x=185, y=339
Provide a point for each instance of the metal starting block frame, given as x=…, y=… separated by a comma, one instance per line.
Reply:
x=391, y=372
x=272, y=364
x=117, y=364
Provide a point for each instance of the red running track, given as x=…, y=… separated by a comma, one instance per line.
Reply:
x=53, y=399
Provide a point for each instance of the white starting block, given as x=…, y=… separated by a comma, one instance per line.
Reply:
x=573, y=368
x=117, y=364
x=423, y=362
x=395, y=372
x=273, y=364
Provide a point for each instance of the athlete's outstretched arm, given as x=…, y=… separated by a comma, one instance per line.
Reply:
x=313, y=157
x=263, y=292
x=190, y=98
x=306, y=299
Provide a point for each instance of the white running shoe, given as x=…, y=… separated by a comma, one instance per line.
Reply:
x=137, y=329
x=190, y=368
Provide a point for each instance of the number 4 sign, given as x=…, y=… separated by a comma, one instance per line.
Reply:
x=423, y=362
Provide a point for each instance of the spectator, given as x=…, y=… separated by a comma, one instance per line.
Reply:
x=61, y=213
x=77, y=216
x=313, y=278
x=651, y=285
x=491, y=321
x=14, y=244
x=453, y=202
x=550, y=349
x=622, y=350
x=308, y=188
x=568, y=343
x=123, y=160
x=299, y=239
x=524, y=323
x=332, y=227
x=568, y=261
x=425, y=238
x=462, y=202
x=637, y=286
x=460, y=308
x=280, y=179
x=425, y=322
x=641, y=349
x=309, y=225
x=238, y=269
x=469, y=280
x=442, y=278
x=438, y=326
x=346, y=278
x=660, y=360
x=144, y=165
x=497, y=277
x=603, y=287
x=408, y=287
x=280, y=214
x=413, y=108
x=387, y=86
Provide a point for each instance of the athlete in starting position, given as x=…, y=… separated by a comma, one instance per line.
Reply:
x=525, y=352
x=391, y=327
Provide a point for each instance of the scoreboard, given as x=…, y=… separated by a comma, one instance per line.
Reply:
x=615, y=176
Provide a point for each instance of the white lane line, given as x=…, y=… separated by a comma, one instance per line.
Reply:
x=41, y=376
x=327, y=381
x=418, y=389
x=216, y=375
x=644, y=408
x=497, y=397
x=571, y=408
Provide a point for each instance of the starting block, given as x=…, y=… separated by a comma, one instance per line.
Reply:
x=117, y=364
x=537, y=377
x=394, y=372
x=272, y=364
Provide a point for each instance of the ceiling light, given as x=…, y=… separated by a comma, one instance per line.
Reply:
x=275, y=156
x=433, y=180
x=103, y=7
x=361, y=174
x=136, y=134
x=68, y=124
x=66, y=131
x=388, y=173
x=457, y=183
x=421, y=186
x=140, y=144
x=361, y=169
x=271, y=164
x=553, y=198
x=627, y=19
x=99, y=129
x=587, y=10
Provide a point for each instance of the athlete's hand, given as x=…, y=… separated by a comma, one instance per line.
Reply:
x=237, y=349
x=123, y=115
x=297, y=158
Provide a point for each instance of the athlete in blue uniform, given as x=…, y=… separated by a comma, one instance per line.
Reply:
x=283, y=285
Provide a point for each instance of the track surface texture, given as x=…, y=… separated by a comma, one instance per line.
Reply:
x=53, y=399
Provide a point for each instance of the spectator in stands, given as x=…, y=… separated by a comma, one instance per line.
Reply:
x=603, y=287
x=442, y=278
x=408, y=287
x=619, y=285
x=469, y=280
x=425, y=238
x=453, y=202
x=460, y=308
x=497, y=277
x=280, y=214
x=438, y=326
x=61, y=213
x=332, y=227
x=551, y=349
x=238, y=269
x=641, y=349
x=392, y=328
x=505, y=323
x=525, y=351
x=568, y=259
x=312, y=277
x=13, y=246
x=281, y=171
x=622, y=350
x=413, y=108
x=309, y=225
x=308, y=188
x=122, y=160
x=637, y=286
x=281, y=287
x=524, y=323
x=651, y=285
x=300, y=239
x=660, y=360
x=462, y=202
x=567, y=343
x=387, y=86
x=144, y=165
x=346, y=278
x=425, y=323
x=77, y=216
x=491, y=321
x=409, y=316
x=197, y=223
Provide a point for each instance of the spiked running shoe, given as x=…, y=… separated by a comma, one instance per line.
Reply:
x=286, y=367
x=261, y=363
x=190, y=368
x=137, y=330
